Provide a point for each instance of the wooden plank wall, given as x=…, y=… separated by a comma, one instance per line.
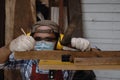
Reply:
x=102, y=28
x=102, y=23
x=2, y=23
x=19, y=17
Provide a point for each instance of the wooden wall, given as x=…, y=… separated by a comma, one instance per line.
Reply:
x=2, y=22
x=102, y=23
x=102, y=28
x=19, y=14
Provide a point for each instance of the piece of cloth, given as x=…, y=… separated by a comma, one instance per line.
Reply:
x=38, y=76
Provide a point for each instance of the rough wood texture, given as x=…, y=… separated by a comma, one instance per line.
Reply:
x=89, y=60
x=61, y=16
x=9, y=25
x=24, y=16
x=71, y=30
x=12, y=74
x=79, y=67
x=56, y=55
x=75, y=8
x=2, y=23
x=97, y=61
x=19, y=13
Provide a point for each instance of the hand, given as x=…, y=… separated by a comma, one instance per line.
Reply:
x=22, y=43
x=81, y=44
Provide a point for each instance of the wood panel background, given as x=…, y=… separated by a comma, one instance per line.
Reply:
x=101, y=20
x=102, y=29
x=19, y=14
x=2, y=23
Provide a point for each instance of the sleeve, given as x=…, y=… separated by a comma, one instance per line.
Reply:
x=11, y=58
x=1, y=66
x=12, y=63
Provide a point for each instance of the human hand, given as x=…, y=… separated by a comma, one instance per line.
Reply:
x=81, y=44
x=22, y=43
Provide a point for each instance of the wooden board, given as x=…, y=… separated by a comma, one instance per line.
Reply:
x=25, y=16
x=78, y=67
x=2, y=23
x=75, y=8
x=19, y=13
x=97, y=61
x=87, y=60
x=56, y=54
x=9, y=9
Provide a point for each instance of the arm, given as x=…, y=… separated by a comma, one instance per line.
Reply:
x=4, y=54
x=21, y=43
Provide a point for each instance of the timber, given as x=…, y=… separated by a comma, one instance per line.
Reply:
x=61, y=16
x=9, y=9
x=19, y=13
x=75, y=9
x=24, y=16
x=79, y=67
x=56, y=54
x=82, y=60
x=2, y=23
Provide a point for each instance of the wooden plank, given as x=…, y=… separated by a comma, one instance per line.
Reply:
x=61, y=16
x=107, y=46
x=105, y=34
x=78, y=67
x=2, y=23
x=90, y=60
x=97, y=61
x=9, y=25
x=102, y=25
x=74, y=8
x=101, y=17
x=101, y=1
x=56, y=54
x=111, y=8
x=17, y=17
x=24, y=17
x=105, y=41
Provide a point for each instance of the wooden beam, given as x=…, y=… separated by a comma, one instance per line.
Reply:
x=56, y=54
x=9, y=25
x=61, y=16
x=82, y=60
x=75, y=8
x=2, y=23
x=19, y=13
x=25, y=16
x=78, y=67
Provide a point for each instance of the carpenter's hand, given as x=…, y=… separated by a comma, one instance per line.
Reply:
x=81, y=44
x=22, y=43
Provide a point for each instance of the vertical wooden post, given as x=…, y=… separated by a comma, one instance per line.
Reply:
x=9, y=9
x=61, y=16
x=24, y=16
x=19, y=13
x=2, y=22
x=75, y=9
